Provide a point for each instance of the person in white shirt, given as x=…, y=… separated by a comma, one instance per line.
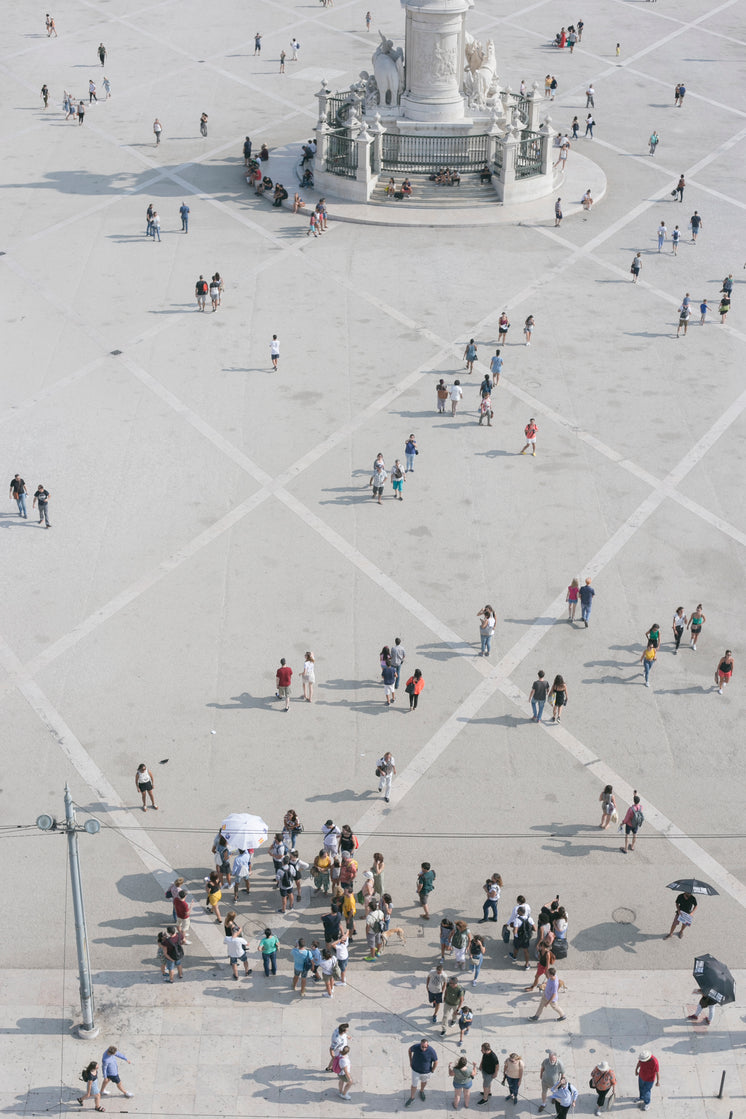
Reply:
x=387, y=771
x=331, y=834
x=295, y=47
x=455, y=392
x=274, y=350
x=236, y=947
x=374, y=930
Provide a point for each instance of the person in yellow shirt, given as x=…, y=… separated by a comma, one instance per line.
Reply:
x=320, y=871
x=349, y=909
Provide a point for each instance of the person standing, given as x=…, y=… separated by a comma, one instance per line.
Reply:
x=586, y=601
x=441, y=395
x=110, y=1069
x=636, y=267
x=81, y=113
x=283, y=676
x=414, y=687
x=528, y=327
x=282, y=61
x=410, y=450
x=557, y=215
x=107, y=87
x=647, y=1071
x=308, y=676
x=145, y=784
x=680, y=187
x=182, y=913
x=463, y=1078
x=397, y=657
x=632, y=822
x=237, y=949
x=379, y=479
x=648, y=659
x=696, y=620
x=470, y=355
x=589, y=123
x=453, y=1000
x=257, y=43
x=157, y=129
x=295, y=47
x=530, y=431
x=602, y=1081
x=45, y=94
x=564, y=1094
x=423, y=1061
x=268, y=946
x=686, y=904
x=155, y=226
x=549, y=997
x=550, y=1073
x=724, y=308
x=274, y=351
x=374, y=930
x=184, y=215
x=695, y=221
x=386, y=770
x=247, y=151
x=41, y=501
x=368, y=21
x=455, y=392
x=496, y=367
x=488, y=1066
x=678, y=626
x=302, y=960
x=608, y=806
x=724, y=671
x=503, y=326
x=492, y=889
x=703, y=309
x=653, y=141
x=513, y=1070
x=487, y=623
x=538, y=696
x=18, y=492
x=425, y=886
x=662, y=231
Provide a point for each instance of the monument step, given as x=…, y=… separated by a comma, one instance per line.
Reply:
x=432, y=195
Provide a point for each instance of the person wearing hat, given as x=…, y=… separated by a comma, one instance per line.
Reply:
x=647, y=1071
x=603, y=1081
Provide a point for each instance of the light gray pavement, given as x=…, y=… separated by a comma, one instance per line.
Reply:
x=210, y=516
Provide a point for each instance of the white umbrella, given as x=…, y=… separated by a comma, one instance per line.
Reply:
x=243, y=830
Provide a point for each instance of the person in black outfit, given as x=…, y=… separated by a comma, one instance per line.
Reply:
x=685, y=905
x=488, y=1067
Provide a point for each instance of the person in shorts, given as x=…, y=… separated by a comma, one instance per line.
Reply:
x=530, y=433
x=423, y=1061
x=488, y=1067
x=379, y=480
x=283, y=677
x=398, y=478
x=200, y=290
x=435, y=984
x=724, y=671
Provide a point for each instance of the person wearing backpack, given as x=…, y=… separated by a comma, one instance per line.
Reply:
x=286, y=876
x=460, y=942
x=89, y=1076
x=302, y=962
x=374, y=930
x=632, y=823
x=200, y=290
x=398, y=478
x=522, y=927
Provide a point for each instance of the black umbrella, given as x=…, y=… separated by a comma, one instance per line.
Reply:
x=713, y=979
x=693, y=886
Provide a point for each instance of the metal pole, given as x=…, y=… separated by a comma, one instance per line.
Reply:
x=722, y=1082
x=88, y=1029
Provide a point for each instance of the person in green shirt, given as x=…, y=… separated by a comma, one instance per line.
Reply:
x=425, y=886
x=268, y=947
x=453, y=998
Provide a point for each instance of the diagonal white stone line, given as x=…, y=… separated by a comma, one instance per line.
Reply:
x=118, y=816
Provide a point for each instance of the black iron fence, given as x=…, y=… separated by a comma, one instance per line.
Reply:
x=528, y=155
x=339, y=109
x=341, y=155
x=428, y=153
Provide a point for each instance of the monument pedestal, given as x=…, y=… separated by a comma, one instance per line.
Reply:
x=434, y=42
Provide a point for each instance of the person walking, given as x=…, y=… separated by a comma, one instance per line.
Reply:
x=487, y=622
x=145, y=784
x=586, y=601
x=488, y=1066
x=386, y=772
x=184, y=215
x=724, y=671
x=678, y=626
x=648, y=659
x=685, y=313
x=724, y=308
x=686, y=904
x=632, y=822
x=92, y=92
x=19, y=492
x=214, y=895
x=200, y=291
x=397, y=657
x=703, y=309
x=662, y=232
x=302, y=961
x=530, y=431
x=492, y=888
x=602, y=1081
x=274, y=351
x=462, y=1079
x=423, y=1061
x=564, y=1094
x=90, y=1076
x=283, y=676
x=445, y=936
x=81, y=113
x=558, y=212
x=696, y=620
x=157, y=129
x=636, y=267
x=441, y=395
x=538, y=696
x=675, y=238
x=551, y=1072
x=413, y=688
x=368, y=20
x=503, y=326
x=653, y=141
x=107, y=87
x=470, y=355
x=680, y=187
x=102, y=53
x=571, y=598
x=476, y=957
x=344, y=1076
x=647, y=1071
x=182, y=913
x=155, y=226
x=110, y=1069
x=295, y=47
x=425, y=886
x=237, y=948
x=695, y=221
x=523, y=926
x=435, y=985
x=388, y=675
x=513, y=1070
x=608, y=806
x=308, y=676
x=379, y=479
x=549, y=997
x=41, y=501
x=558, y=697
x=589, y=97
x=268, y=946
x=374, y=930
x=455, y=392
x=410, y=450
x=706, y=1006
x=453, y=1000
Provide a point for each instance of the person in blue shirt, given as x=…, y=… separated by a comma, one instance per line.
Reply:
x=423, y=1061
x=564, y=1095
x=586, y=601
x=389, y=681
x=410, y=450
x=184, y=213
x=496, y=366
x=302, y=960
x=110, y=1069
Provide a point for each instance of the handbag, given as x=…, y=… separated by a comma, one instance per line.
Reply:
x=379, y=771
x=336, y=970
x=506, y=934
x=615, y=817
x=409, y=689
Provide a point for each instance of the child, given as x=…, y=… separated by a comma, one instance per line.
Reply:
x=465, y=1020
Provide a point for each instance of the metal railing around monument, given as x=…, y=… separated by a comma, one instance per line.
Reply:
x=341, y=155
x=528, y=155
x=428, y=153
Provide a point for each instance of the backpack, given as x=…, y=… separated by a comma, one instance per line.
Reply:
x=398, y=473
x=202, y=287
x=559, y=949
x=378, y=926
x=637, y=818
x=174, y=951
x=523, y=936
x=287, y=879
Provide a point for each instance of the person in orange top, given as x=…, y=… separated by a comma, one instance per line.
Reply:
x=530, y=432
x=414, y=686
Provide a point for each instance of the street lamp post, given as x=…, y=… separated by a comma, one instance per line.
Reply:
x=88, y=1028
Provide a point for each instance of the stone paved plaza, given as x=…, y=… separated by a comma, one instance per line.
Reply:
x=210, y=516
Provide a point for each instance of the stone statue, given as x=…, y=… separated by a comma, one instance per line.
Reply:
x=367, y=86
x=388, y=67
x=480, y=82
